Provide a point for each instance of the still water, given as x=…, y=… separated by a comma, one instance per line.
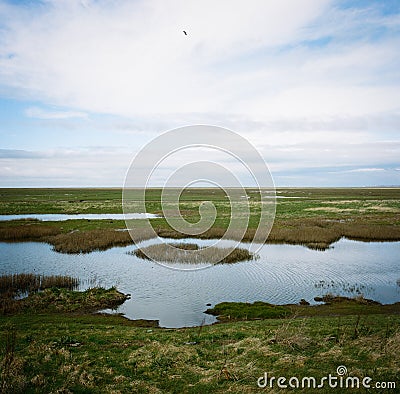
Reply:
x=57, y=217
x=281, y=274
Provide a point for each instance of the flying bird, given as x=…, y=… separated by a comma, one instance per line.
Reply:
x=184, y=33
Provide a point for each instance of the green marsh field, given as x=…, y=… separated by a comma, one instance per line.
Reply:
x=67, y=348
x=311, y=217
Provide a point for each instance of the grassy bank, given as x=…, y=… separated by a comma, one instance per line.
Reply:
x=62, y=300
x=32, y=293
x=331, y=306
x=97, y=354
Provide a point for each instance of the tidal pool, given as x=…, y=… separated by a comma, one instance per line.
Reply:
x=177, y=298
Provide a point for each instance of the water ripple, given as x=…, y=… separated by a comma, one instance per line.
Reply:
x=281, y=274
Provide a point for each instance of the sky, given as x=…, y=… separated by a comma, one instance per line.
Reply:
x=314, y=85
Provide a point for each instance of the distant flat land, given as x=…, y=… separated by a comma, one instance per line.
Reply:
x=315, y=217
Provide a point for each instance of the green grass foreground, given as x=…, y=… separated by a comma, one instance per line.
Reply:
x=44, y=353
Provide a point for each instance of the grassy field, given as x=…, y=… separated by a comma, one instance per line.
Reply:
x=299, y=202
x=97, y=354
x=21, y=201
x=312, y=217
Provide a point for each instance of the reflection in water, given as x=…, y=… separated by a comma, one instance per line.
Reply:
x=343, y=287
x=281, y=274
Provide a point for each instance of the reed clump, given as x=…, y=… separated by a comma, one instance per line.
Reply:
x=98, y=239
x=35, y=293
x=367, y=232
x=320, y=233
x=30, y=232
x=63, y=300
x=315, y=237
x=192, y=254
x=16, y=284
x=88, y=241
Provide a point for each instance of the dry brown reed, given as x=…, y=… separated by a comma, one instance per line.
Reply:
x=26, y=232
x=192, y=254
x=324, y=232
x=88, y=241
x=26, y=283
x=316, y=233
x=91, y=240
x=12, y=286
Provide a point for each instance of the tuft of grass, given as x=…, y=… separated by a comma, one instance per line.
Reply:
x=192, y=254
x=12, y=379
x=184, y=246
x=359, y=299
x=12, y=286
x=53, y=293
x=244, y=310
x=64, y=301
x=16, y=284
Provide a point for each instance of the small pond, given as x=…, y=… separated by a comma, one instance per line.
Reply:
x=177, y=298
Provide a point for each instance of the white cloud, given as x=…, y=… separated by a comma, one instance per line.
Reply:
x=98, y=166
x=35, y=112
x=367, y=169
x=132, y=58
x=105, y=166
x=363, y=170
x=257, y=67
x=248, y=58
